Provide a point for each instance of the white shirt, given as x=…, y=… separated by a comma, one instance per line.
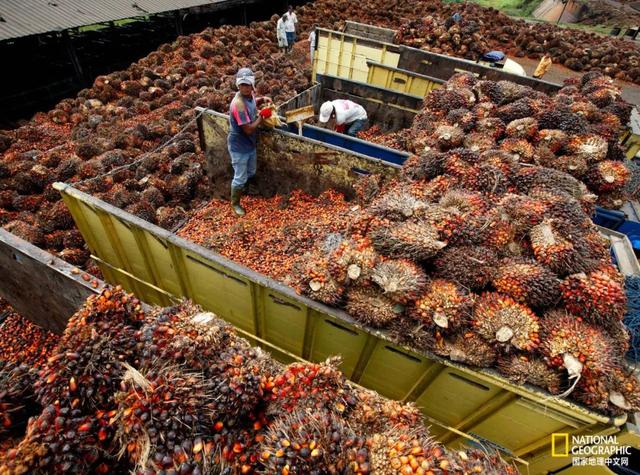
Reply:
x=280, y=28
x=312, y=39
x=348, y=111
x=291, y=22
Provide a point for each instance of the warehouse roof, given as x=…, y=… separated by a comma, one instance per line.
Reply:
x=30, y=17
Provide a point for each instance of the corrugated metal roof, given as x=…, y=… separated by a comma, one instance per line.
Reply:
x=30, y=17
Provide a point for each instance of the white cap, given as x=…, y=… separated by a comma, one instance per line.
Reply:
x=325, y=111
x=245, y=76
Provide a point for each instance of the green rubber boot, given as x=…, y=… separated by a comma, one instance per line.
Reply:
x=236, y=193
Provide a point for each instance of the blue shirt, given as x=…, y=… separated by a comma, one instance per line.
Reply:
x=242, y=111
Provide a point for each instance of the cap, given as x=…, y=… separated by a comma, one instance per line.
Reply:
x=245, y=76
x=325, y=111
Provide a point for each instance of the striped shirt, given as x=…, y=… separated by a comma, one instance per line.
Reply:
x=242, y=111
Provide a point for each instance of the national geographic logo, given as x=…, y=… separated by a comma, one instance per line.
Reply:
x=559, y=445
x=590, y=450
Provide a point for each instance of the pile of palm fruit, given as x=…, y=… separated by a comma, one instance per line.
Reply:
x=479, y=253
x=175, y=391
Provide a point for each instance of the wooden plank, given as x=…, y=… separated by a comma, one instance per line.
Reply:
x=38, y=285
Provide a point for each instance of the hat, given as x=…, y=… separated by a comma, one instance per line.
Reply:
x=325, y=111
x=245, y=76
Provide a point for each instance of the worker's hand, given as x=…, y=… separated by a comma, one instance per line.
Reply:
x=266, y=112
x=262, y=100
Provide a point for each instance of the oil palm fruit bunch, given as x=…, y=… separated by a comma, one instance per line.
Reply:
x=591, y=147
x=553, y=249
x=401, y=280
x=479, y=142
x=501, y=320
x=310, y=385
x=525, y=128
x=426, y=165
x=463, y=202
x=607, y=176
x=317, y=282
x=531, y=369
x=370, y=306
x=552, y=139
x=494, y=228
x=307, y=442
x=373, y=413
x=446, y=220
x=447, y=137
x=161, y=412
x=396, y=204
x=597, y=296
x=462, y=118
x=616, y=393
x=443, y=306
x=523, y=211
x=562, y=206
x=520, y=148
x=471, y=267
x=408, y=240
x=17, y=399
x=353, y=260
x=527, y=282
x=86, y=367
x=529, y=178
x=580, y=347
x=469, y=348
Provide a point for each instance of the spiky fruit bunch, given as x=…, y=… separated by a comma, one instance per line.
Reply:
x=371, y=307
x=463, y=118
x=443, y=100
x=471, y=267
x=516, y=110
x=522, y=128
x=448, y=137
x=447, y=222
x=17, y=399
x=161, y=413
x=564, y=207
x=479, y=142
x=464, y=202
x=462, y=80
x=607, y=176
x=618, y=392
x=416, y=241
x=427, y=165
x=434, y=189
x=530, y=369
x=506, y=162
x=597, y=296
x=574, y=165
x=63, y=440
x=575, y=345
x=500, y=319
x=317, y=282
x=492, y=127
x=493, y=230
x=553, y=139
x=552, y=249
x=397, y=204
x=353, y=261
x=307, y=441
x=396, y=452
x=86, y=367
x=529, y=178
x=527, y=282
x=591, y=147
x=524, y=212
x=444, y=306
x=563, y=120
x=314, y=386
x=400, y=279
x=367, y=188
x=612, y=200
x=520, y=148
x=469, y=348
x=373, y=413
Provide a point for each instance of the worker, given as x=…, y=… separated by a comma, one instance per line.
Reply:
x=312, y=43
x=281, y=34
x=290, y=27
x=543, y=66
x=350, y=118
x=244, y=120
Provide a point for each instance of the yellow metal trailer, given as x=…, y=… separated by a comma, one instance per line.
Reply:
x=161, y=267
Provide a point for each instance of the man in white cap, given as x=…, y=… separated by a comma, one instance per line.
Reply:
x=244, y=120
x=350, y=117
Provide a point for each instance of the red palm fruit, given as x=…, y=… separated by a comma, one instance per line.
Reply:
x=443, y=306
x=352, y=261
x=527, y=282
x=552, y=139
x=471, y=267
x=596, y=296
x=401, y=280
x=607, y=176
x=591, y=147
x=531, y=369
x=525, y=128
x=371, y=307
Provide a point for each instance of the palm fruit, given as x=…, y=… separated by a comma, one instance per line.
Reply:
x=317, y=282
x=462, y=118
x=574, y=165
x=17, y=399
x=500, y=319
x=607, y=176
x=447, y=137
x=506, y=162
x=584, y=108
x=523, y=369
x=488, y=91
x=434, y=189
x=460, y=163
x=612, y=200
x=400, y=279
x=305, y=442
x=396, y=452
x=494, y=228
x=443, y=100
x=462, y=80
x=427, y=165
x=469, y=348
x=86, y=367
x=575, y=345
x=520, y=148
x=554, y=250
x=529, y=178
x=464, y=202
x=566, y=121
x=371, y=307
x=591, y=147
x=396, y=204
x=527, y=282
x=553, y=139
x=525, y=128
x=491, y=126
x=415, y=241
x=353, y=260
x=483, y=110
x=492, y=180
x=478, y=142
x=447, y=221
x=471, y=267
x=161, y=413
x=367, y=188
x=596, y=296
x=515, y=110
x=314, y=386
x=617, y=392
x=374, y=413
x=443, y=306
x=561, y=206
x=524, y=212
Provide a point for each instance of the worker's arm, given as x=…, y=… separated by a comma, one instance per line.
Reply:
x=250, y=128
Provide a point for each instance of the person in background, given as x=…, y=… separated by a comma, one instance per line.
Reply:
x=350, y=118
x=281, y=34
x=244, y=120
x=543, y=66
x=312, y=42
x=290, y=27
